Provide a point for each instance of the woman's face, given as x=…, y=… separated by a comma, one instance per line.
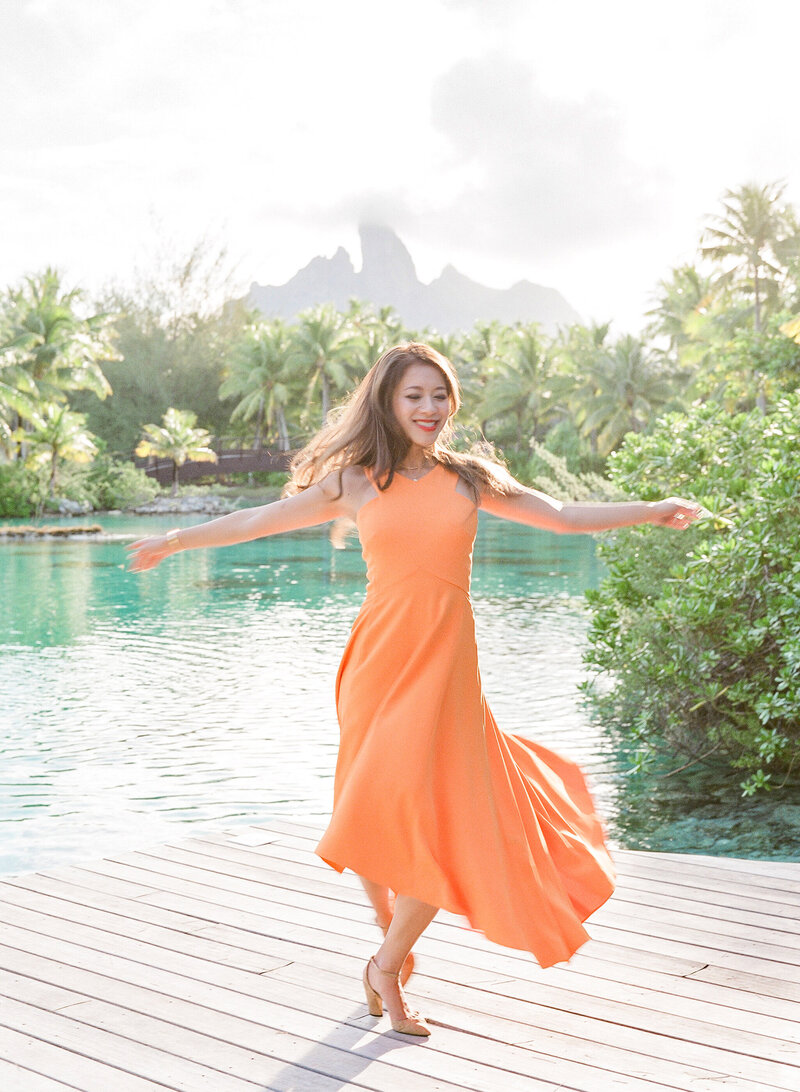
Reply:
x=421, y=404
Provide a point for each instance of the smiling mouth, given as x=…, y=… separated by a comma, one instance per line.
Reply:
x=428, y=426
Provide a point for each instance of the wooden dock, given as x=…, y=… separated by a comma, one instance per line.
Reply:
x=231, y=962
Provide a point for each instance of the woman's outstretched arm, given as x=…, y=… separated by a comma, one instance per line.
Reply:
x=317, y=504
x=566, y=517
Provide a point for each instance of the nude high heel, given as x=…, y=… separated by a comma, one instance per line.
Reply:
x=411, y=1025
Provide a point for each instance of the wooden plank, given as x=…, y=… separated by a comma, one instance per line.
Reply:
x=159, y=1066
x=748, y=865
x=241, y=955
x=211, y=917
x=228, y=860
x=672, y=964
x=690, y=923
x=666, y=940
x=311, y=1064
x=772, y=999
x=631, y=889
x=652, y=1011
x=13, y=1078
x=53, y=917
x=660, y=992
x=278, y=852
x=656, y=892
x=33, y=1053
x=219, y=901
x=455, y=1055
x=701, y=887
x=79, y=914
x=557, y=1024
x=285, y=1017
x=721, y=879
x=616, y=911
x=259, y=1052
x=604, y=1042
x=297, y=833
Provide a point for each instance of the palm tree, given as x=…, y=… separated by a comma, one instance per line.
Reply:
x=519, y=386
x=178, y=440
x=681, y=297
x=622, y=388
x=482, y=351
x=17, y=398
x=373, y=332
x=754, y=237
x=576, y=352
x=322, y=347
x=449, y=345
x=257, y=374
x=60, y=350
x=58, y=434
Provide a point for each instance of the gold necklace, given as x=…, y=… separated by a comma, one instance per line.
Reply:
x=417, y=470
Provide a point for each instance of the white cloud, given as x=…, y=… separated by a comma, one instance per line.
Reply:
x=581, y=145
x=546, y=172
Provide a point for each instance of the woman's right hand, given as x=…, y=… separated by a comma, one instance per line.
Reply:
x=146, y=553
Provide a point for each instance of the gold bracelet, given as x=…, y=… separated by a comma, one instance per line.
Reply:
x=173, y=538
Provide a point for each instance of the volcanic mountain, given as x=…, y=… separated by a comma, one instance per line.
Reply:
x=387, y=277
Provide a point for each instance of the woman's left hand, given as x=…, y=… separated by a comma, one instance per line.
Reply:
x=676, y=512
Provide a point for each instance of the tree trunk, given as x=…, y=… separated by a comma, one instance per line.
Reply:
x=326, y=397
x=259, y=436
x=174, y=479
x=283, y=431
x=51, y=485
x=761, y=397
x=757, y=316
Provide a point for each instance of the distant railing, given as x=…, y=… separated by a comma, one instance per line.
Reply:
x=229, y=461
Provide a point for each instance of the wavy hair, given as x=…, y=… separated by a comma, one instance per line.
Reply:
x=364, y=431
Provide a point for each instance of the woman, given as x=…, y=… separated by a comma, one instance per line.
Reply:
x=433, y=805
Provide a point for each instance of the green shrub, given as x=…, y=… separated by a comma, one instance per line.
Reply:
x=107, y=482
x=700, y=630
x=550, y=473
x=21, y=491
x=116, y=483
x=273, y=478
x=75, y=484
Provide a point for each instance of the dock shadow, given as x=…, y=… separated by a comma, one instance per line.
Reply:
x=357, y=1031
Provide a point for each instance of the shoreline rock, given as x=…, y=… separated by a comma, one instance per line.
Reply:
x=59, y=531
x=212, y=505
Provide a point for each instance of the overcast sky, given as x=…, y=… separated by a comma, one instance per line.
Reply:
x=573, y=143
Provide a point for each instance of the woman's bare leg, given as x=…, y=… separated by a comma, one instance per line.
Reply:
x=411, y=918
x=382, y=901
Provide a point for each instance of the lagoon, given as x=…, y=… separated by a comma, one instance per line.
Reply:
x=202, y=692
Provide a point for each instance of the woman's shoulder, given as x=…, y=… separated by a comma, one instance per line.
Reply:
x=349, y=482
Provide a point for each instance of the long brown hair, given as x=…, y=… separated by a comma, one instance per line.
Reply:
x=364, y=431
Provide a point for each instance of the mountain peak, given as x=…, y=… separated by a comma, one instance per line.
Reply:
x=385, y=260
x=388, y=277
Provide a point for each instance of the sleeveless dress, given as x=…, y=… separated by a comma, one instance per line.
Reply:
x=431, y=799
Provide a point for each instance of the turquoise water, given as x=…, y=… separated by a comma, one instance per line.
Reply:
x=202, y=692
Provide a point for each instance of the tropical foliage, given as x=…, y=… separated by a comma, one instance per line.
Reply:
x=57, y=435
x=700, y=631
x=177, y=440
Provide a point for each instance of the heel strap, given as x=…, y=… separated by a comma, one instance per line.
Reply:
x=380, y=970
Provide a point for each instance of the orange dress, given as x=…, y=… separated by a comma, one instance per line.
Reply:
x=430, y=797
